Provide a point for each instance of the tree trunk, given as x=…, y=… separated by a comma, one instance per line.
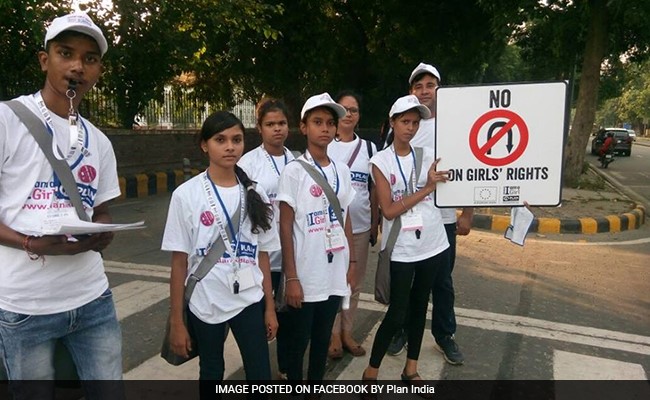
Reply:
x=588, y=94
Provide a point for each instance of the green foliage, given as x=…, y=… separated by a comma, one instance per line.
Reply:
x=21, y=37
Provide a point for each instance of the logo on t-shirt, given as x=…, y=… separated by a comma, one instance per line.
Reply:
x=318, y=217
x=359, y=177
x=207, y=218
x=315, y=190
x=392, y=179
x=87, y=173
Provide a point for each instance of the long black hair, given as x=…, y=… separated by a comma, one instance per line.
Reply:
x=259, y=212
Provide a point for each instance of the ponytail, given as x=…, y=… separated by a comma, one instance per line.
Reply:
x=260, y=213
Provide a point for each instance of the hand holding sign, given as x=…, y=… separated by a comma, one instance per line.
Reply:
x=434, y=176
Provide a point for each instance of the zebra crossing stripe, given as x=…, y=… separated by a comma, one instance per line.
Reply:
x=573, y=366
x=538, y=328
x=133, y=297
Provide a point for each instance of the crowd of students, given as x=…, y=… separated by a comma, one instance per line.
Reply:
x=296, y=229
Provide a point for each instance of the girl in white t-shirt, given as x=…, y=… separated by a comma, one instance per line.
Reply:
x=263, y=165
x=356, y=153
x=316, y=245
x=237, y=290
x=420, y=249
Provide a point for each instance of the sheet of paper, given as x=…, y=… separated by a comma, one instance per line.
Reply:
x=79, y=227
x=520, y=220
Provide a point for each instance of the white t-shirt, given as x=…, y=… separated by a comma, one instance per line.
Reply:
x=360, y=176
x=433, y=239
x=192, y=227
x=29, y=193
x=319, y=279
x=425, y=137
x=265, y=169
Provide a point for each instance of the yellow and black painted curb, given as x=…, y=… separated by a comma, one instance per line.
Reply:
x=611, y=223
x=142, y=185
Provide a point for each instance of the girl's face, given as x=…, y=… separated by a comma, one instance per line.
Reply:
x=351, y=118
x=320, y=127
x=406, y=125
x=274, y=128
x=225, y=148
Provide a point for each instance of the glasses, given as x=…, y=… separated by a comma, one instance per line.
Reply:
x=352, y=110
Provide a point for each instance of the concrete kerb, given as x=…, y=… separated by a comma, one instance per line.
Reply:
x=152, y=183
x=588, y=225
x=143, y=185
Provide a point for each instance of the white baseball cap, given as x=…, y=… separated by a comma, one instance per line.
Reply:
x=422, y=67
x=407, y=103
x=322, y=100
x=78, y=22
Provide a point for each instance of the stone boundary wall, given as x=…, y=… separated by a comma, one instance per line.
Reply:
x=147, y=151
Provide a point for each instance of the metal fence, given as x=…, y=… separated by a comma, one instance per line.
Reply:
x=179, y=109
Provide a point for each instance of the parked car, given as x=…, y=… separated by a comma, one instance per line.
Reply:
x=632, y=134
x=622, y=141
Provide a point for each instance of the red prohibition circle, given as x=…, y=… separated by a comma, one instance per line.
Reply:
x=512, y=120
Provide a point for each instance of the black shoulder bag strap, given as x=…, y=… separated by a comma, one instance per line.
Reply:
x=61, y=168
x=327, y=189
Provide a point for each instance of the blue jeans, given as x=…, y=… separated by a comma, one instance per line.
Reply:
x=443, y=317
x=91, y=333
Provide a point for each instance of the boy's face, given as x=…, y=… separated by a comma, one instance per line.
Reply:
x=320, y=127
x=425, y=90
x=71, y=57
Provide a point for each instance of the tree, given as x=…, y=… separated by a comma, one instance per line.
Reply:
x=370, y=46
x=593, y=36
x=21, y=37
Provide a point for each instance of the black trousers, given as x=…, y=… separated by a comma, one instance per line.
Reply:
x=311, y=324
x=443, y=316
x=410, y=286
x=250, y=333
x=280, y=337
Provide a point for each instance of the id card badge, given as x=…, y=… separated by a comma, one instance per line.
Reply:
x=412, y=220
x=241, y=280
x=334, y=239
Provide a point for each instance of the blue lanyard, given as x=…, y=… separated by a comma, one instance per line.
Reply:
x=406, y=185
x=336, y=188
x=233, y=234
x=276, y=165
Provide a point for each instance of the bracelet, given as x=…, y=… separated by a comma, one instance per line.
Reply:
x=353, y=261
x=27, y=246
x=403, y=205
x=291, y=279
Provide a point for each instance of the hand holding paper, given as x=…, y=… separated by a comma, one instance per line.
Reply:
x=79, y=227
x=520, y=220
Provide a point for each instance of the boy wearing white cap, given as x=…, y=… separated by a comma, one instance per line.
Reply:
x=405, y=183
x=423, y=81
x=53, y=287
x=316, y=244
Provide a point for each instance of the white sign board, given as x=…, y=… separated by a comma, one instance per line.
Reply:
x=502, y=144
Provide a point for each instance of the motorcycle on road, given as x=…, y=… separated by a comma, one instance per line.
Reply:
x=606, y=159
